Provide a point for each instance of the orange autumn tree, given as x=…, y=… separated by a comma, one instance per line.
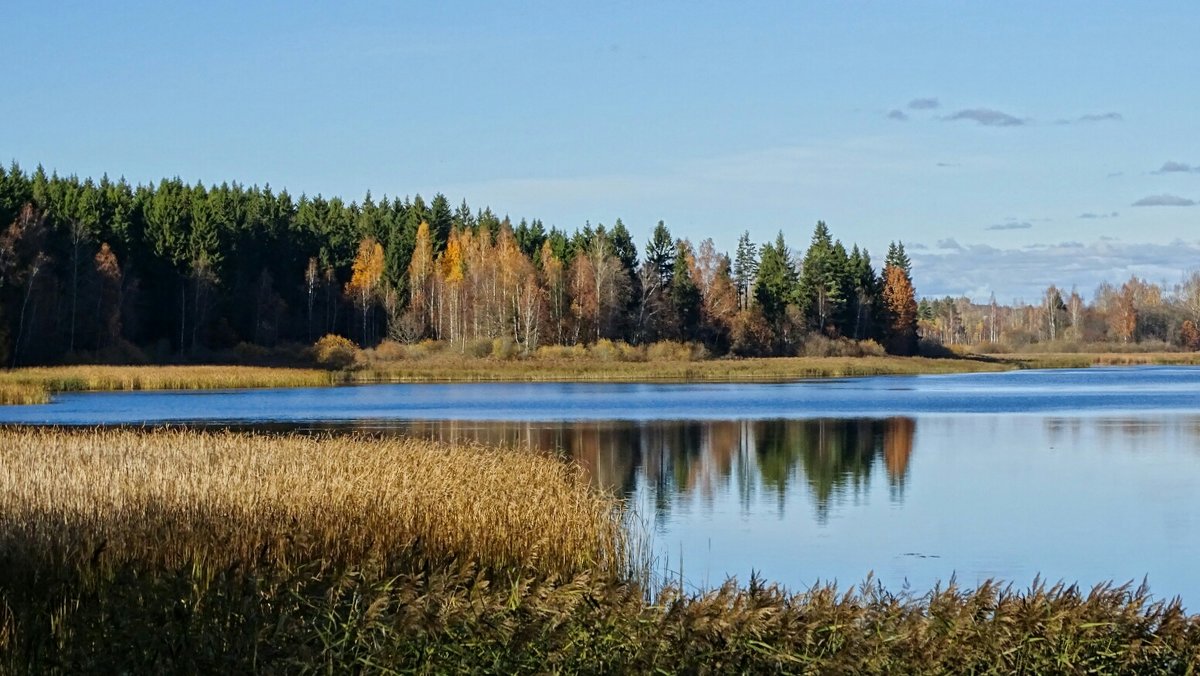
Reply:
x=899, y=303
x=366, y=274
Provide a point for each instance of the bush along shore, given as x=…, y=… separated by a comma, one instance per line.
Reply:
x=217, y=552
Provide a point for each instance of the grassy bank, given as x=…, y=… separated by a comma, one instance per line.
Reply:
x=36, y=385
x=714, y=370
x=171, y=551
x=1068, y=360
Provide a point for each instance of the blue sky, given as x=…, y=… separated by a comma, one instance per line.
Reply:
x=1006, y=143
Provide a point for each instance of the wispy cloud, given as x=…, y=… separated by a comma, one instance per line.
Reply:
x=1011, y=225
x=949, y=243
x=1172, y=167
x=1093, y=117
x=987, y=117
x=923, y=104
x=897, y=114
x=948, y=164
x=1165, y=201
x=1091, y=215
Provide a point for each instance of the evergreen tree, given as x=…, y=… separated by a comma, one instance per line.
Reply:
x=776, y=285
x=822, y=288
x=684, y=293
x=660, y=253
x=745, y=269
x=441, y=221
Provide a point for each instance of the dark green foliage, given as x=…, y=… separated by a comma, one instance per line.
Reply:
x=745, y=268
x=684, y=294
x=660, y=253
x=777, y=283
x=207, y=268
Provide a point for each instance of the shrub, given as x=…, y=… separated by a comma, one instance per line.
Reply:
x=561, y=352
x=820, y=345
x=670, y=350
x=479, y=347
x=504, y=348
x=390, y=350
x=604, y=350
x=335, y=352
x=993, y=348
x=631, y=352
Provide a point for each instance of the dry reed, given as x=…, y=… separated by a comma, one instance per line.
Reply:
x=86, y=378
x=171, y=499
x=172, y=551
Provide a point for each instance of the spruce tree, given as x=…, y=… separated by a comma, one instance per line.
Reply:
x=745, y=269
x=775, y=288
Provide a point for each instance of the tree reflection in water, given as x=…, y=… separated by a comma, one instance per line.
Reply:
x=699, y=460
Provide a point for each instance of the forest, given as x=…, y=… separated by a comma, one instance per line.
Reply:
x=104, y=271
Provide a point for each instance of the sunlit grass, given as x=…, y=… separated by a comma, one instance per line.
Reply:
x=23, y=393
x=176, y=498
x=716, y=370
x=174, y=551
x=94, y=377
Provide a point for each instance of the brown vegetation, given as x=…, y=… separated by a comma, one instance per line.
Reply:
x=177, y=551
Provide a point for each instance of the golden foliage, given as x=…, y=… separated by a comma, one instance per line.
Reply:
x=333, y=351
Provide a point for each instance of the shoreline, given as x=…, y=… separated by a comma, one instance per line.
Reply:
x=36, y=385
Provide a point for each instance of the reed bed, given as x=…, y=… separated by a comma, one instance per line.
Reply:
x=88, y=378
x=173, y=498
x=716, y=370
x=18, y=393
x=172, y=551
x=1087, y=359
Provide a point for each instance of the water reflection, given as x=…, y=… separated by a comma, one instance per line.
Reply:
x=831, y=459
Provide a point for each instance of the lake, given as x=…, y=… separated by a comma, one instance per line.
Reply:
x=1080, y=475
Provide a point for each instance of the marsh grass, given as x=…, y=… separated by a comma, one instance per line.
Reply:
x=713, y=370
x=1086, y=359
x=86, y=378
x=20, y=393
x=129, y=551
x=174, y=498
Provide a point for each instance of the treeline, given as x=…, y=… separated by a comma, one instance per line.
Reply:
x=109, y=271
x=1136, y=315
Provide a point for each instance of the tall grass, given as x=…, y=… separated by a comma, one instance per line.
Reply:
x=35, y=385
x=715, y=370
x=175, y=551
x=174, y=498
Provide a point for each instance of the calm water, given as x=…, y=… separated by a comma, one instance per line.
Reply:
x=1083, y=475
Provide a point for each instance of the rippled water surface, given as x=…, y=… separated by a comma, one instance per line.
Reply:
x=1084, y=475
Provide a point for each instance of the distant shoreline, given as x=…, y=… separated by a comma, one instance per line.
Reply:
x=36, y=385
